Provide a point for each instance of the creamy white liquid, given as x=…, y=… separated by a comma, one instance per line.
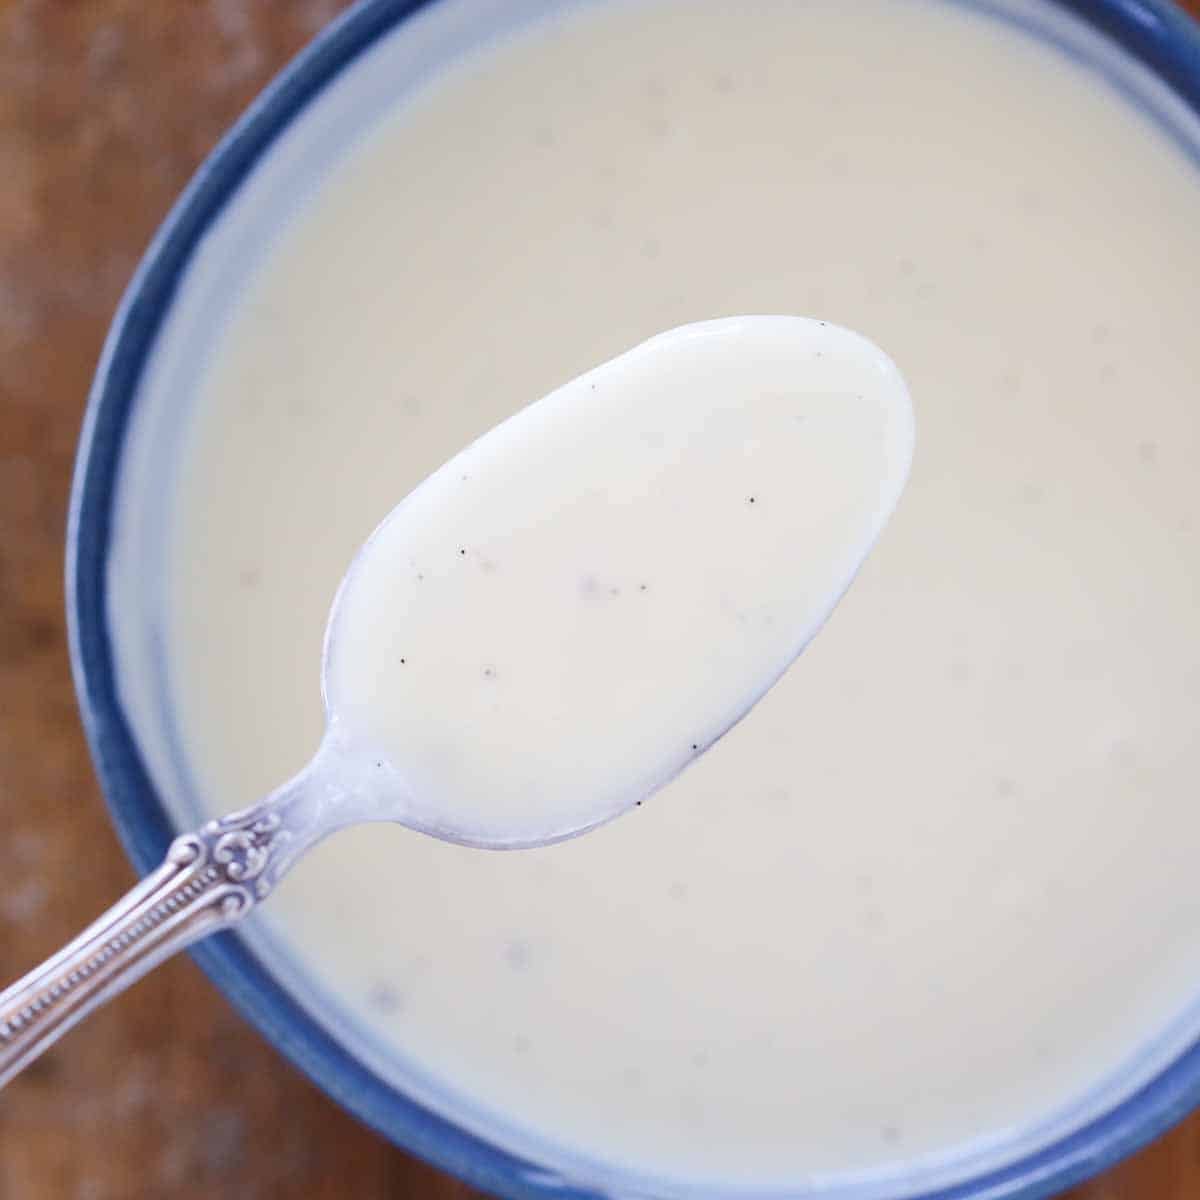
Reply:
x=941, y=882
x=577, y=606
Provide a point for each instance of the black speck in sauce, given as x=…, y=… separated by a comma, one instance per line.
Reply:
x=642, y=587
x=752, y=499
x=695, y=745
x=519, y=955
x=461, y=550
x=385, y=998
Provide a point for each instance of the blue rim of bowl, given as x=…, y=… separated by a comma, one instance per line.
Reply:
x=1155, y=31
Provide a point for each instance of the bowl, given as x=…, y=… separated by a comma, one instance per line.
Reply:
x=129, y=756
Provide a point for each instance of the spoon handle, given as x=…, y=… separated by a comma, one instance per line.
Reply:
x=209, y=880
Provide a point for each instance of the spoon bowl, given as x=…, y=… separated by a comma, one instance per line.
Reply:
x=562, y=618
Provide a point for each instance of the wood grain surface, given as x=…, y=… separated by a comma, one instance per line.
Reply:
x=106, y=108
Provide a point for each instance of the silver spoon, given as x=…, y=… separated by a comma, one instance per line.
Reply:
x=757, y=457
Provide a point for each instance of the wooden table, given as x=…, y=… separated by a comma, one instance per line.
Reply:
x=106, y=108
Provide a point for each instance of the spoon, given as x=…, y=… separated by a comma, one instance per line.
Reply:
x=553, y=625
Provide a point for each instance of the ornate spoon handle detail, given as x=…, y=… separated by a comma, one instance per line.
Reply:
x=209, y=880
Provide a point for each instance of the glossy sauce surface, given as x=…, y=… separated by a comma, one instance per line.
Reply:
x=578, y=605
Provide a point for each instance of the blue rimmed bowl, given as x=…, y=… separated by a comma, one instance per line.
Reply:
x=1155, y=34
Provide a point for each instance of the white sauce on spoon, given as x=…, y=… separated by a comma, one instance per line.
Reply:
x=562, y=617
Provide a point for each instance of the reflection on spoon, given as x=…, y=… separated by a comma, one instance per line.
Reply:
x=554, y=624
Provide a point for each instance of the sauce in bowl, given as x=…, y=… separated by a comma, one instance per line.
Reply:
x=934, y=900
